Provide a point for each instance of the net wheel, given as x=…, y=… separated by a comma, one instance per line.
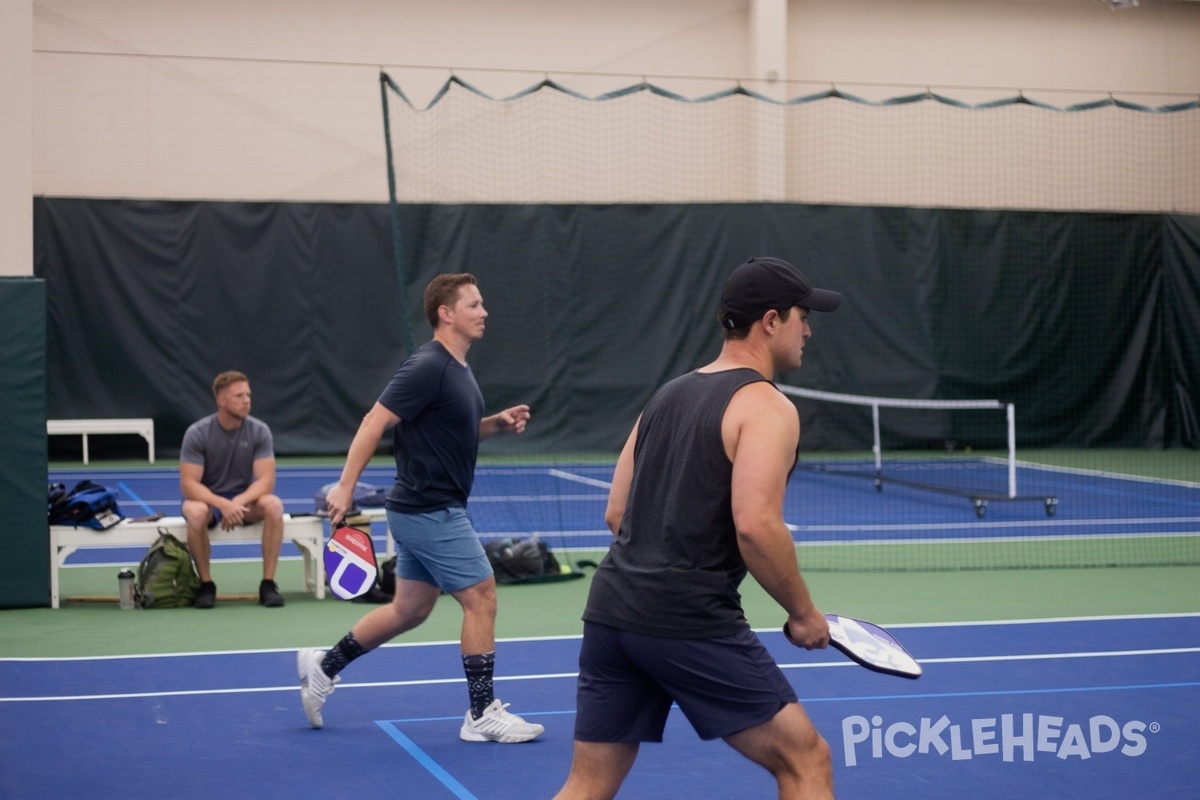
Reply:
x=980, y=507
x=1051, y=506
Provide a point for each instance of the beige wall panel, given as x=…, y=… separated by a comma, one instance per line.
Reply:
x=279, y=99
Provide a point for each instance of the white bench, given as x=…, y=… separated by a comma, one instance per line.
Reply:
x=308, y=533
x=84, y=427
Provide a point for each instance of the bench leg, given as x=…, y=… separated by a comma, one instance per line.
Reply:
x=54, y=566
x=58, y=557
x=314, y=565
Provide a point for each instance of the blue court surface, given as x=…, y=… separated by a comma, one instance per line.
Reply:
x=1082, y=708
x=564, y=503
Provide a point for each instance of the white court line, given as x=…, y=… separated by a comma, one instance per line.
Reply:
x=967, y=623
x=290, y=688
x=573, y=675
x=586, y=481
x=1024, y=657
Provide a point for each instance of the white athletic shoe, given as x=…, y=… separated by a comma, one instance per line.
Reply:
x=497, y=725
x=315, y=685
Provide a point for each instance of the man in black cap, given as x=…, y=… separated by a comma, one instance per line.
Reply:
x=696, y=502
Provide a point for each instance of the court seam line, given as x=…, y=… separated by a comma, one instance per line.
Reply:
x=572, y=675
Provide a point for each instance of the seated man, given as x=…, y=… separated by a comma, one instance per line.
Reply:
x=227, y=476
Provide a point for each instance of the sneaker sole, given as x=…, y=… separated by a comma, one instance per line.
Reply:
x=314, y=716
x=507, y=738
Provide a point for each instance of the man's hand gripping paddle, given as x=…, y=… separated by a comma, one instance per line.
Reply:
x=869, y=645
x=349, y=561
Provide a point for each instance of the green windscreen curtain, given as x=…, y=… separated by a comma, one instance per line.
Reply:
x=1086, y=321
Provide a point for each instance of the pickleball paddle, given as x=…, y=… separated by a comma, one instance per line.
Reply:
x=869, y=645
x=350, y=561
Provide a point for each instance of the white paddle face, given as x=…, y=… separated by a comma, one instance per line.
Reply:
x=871, y=646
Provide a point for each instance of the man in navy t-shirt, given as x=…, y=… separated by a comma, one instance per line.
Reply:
x=436, y=409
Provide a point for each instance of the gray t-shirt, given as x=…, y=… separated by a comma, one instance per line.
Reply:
x=227, y=456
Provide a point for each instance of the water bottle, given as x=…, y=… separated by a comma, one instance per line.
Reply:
x=125, y=588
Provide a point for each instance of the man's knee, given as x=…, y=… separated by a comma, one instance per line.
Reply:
x=271, y=507
x=788, y=744
x=478, y=599
x=807, y=757
x=820, y=757
x=196, y=514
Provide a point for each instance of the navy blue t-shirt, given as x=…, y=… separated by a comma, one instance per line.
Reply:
x=437, y=440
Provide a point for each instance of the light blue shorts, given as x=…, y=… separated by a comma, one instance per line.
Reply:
x=439, y=547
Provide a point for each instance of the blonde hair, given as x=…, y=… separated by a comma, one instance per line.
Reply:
x=227, y=379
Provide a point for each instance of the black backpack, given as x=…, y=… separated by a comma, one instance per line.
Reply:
x=521, y=560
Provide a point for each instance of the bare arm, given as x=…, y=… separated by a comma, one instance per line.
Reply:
x=341, y=497
x=618, y=493
x=264, y=481
x=191, y=487
x=510, y=419
x=761, y=432
x=232, y=510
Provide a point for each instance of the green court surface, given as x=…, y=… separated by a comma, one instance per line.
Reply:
x=101, y=628
x=553, y=609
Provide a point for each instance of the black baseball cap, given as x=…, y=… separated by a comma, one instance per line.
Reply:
x=764, y=283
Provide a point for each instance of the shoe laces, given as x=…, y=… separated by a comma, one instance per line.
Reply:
x=502, y=716
x=315, y=680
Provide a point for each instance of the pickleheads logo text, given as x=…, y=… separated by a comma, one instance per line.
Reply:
x=1010, y=737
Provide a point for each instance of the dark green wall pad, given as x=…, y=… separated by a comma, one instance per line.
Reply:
x=24, y=559
x=1087, y=321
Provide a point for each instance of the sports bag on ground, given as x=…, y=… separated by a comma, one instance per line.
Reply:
x=166, y=577
x=521, y=560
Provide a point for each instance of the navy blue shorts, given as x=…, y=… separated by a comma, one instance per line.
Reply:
x=216, y=515
x=628, y=681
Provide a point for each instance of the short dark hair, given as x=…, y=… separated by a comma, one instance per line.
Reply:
x=443, y=291
x=742, y=331
x=227, y=378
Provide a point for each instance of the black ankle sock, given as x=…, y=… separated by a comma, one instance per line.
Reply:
x=342, y=654
x=479, y=669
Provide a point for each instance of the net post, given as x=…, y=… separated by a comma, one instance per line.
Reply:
x=1011, y=412
x=397, y=247
x=877, y=446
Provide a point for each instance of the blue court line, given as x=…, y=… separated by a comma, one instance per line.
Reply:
x=458, y=717
x=852, y=698
x=132, y=495
x=435, y=769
